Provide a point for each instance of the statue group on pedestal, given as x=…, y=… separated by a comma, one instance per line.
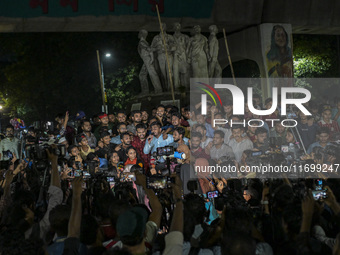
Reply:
x=194, y=56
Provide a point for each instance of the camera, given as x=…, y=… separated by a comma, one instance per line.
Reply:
x=159, y=182
x=127, y=177
x=169, y=151
x=38, y=150
x=256, y=153
x=165, y=151
x=111, y=181
x=7, y=154
x=91, y=166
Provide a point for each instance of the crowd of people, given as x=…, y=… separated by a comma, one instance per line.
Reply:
x=123, y=183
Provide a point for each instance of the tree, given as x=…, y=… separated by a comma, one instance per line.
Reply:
x=121, y=86
x=316, y=56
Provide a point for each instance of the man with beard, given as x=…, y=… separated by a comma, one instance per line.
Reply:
x=239, y=143
x=205, y=140
x=121, y=148
x=195, y=144
x=139, y=143
x=161, y=115
x=10, y=143
x=279, y=132
x=145, y=117
x=156, y=139
x=176, y=122
x=121, y=116
x=307, y=129
x=137, y=119
x=121, y=128
x=261, y=141
x=86, y=127
x=217, y=148
x=179, y=138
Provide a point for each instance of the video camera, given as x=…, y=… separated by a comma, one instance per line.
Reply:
x=169, y=151
x=333, y=150
x=91, y=165
x=38, y=150
x=159, y=182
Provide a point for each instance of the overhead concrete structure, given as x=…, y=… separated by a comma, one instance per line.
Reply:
x=241, y=19
x=305, y=16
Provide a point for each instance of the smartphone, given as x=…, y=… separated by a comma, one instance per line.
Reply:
x=212, y=194
x=256, y=153
x=127, y=177
x=319, y=194
x=77, y=173
x=159, y=182
x=86, y=174
x=111, y=181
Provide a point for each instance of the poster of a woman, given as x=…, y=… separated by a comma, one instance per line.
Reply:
x=279, y=56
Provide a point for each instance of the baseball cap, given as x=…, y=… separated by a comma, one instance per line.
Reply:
x=80, y=138
x=132, y=223
x=102, y=115
x=80, y=115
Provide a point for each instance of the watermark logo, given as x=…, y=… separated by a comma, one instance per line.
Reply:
x=204, y=96
x=238, y=100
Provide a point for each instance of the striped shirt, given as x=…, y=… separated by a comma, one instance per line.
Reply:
x=332, y=126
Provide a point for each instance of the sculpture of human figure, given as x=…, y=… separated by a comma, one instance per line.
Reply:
x=180, y=65
x=215, y=70
x=157, y=44
x=198, y=54
x=146, y=53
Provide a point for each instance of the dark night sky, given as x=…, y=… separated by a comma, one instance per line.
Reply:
x=64, y=60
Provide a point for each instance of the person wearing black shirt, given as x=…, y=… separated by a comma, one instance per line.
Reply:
x=121, y=148
x=105, y=148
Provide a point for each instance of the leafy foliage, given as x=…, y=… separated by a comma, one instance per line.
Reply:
x=121, y=85
x=315, y=56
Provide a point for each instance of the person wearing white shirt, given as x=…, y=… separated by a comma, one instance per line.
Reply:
x=239, y=143
x=205, y=140
x=156, y=139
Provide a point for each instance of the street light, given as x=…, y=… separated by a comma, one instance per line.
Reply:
x=101, y=78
